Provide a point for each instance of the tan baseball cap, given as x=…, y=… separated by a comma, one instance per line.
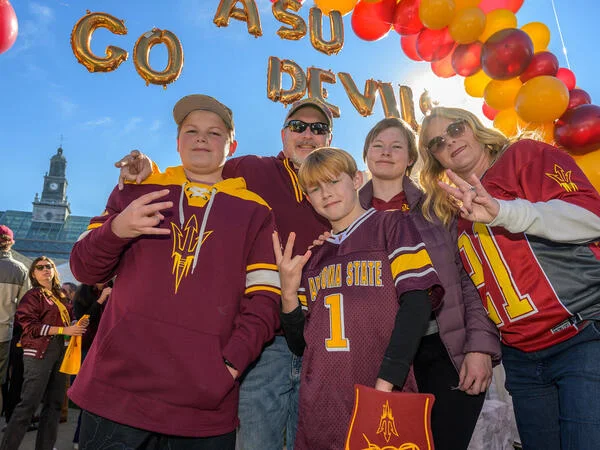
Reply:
x=315, y=103
x=202, y=102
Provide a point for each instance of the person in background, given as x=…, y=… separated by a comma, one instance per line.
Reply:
x=454, y=359
x=356, y=308
x=14, y=283
x=90, y=300
x=269, y=388
x=69, y=290
x=528, y=232
x=45, y=319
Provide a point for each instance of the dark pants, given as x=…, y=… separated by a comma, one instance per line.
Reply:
x=98, y=433
x=454, y=413
x=42, y=382
x=11, y=389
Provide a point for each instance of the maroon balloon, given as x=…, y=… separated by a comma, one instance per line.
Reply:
x=567, y=77
x=578, y=97
x=506, y=54
x=372, y=21
x=433, y=45
x=409, y=45
x=578, y=130
x=542, y=63
x=488, y=111
x=9, y=26
x=406, y=17
x=466, y=59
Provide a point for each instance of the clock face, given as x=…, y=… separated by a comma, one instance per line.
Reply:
x=53, y=186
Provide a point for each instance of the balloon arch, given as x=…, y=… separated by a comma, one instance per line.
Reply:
x=521, y=83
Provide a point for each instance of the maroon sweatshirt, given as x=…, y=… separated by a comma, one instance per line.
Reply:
x=180, y=305
x=276, y=180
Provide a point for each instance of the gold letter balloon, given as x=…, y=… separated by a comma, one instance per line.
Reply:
x=249, y=15
x=81, y=37
x=141, y=55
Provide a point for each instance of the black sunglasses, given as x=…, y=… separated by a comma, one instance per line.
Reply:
x=44, y=266
x=298, y=126
x=454, y=130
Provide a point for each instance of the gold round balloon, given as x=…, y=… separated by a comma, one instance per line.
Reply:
x=81, y=38
x=141, y=55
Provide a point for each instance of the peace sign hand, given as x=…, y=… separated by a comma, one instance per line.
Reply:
x=477, y=205
x=290, y=271
x=142, y=216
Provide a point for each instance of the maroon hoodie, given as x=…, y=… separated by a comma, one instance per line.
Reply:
x=180, y=305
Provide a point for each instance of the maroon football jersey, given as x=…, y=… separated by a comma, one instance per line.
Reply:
x=531, y=285
x=352, y=286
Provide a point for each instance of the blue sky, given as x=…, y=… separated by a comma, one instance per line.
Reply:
x=46, y=93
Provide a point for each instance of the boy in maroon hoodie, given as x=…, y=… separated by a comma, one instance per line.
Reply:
x=196, y=296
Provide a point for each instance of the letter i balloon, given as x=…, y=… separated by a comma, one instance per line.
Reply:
x=9, y=27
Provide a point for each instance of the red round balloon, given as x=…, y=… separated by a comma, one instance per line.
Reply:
x=488, y=111
x=567, y=77
x=578, y=97
x=9, y=27
x=489, y=5
x=372, y=21
x=409, y=46
x=466, y=58
x=542, y=63
x=506, y=54
x=578, y=130
x=406, y=17
x=443, y=67
x=433, y=45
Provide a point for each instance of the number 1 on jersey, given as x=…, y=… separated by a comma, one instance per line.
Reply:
x=337, y=341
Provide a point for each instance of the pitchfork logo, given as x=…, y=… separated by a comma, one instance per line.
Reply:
x=184, y=248
x=563, y=178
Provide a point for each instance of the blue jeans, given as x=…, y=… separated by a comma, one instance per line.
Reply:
x=269, y=399
x=556, y=392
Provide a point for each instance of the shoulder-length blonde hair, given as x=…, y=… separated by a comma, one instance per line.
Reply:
x=56, y=286
x=436, y=200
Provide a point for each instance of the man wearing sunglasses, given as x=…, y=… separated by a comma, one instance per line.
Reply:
x=269, y=388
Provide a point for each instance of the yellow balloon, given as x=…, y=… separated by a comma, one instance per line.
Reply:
x=343, y=6
x=462, y=4
x=507, y=122
x=476, y=83
x=436, y=14
x=540, y=131
x=497, y=20
x=539, y=34
x=590, y=164
x=542, y=99
x=502, y=94
x=467, y=25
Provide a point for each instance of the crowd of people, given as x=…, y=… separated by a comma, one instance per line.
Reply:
x=252, y=293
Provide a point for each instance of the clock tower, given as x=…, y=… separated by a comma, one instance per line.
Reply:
x=53, y=206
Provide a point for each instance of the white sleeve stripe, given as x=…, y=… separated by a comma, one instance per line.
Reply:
x=414, y=275
x=406, y=250
x=29, y=352
x=45, y=330
x=263, y=277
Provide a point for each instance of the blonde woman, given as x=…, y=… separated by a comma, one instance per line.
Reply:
x=528, y=232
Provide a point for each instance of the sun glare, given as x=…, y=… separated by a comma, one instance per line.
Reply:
x=443, y=92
